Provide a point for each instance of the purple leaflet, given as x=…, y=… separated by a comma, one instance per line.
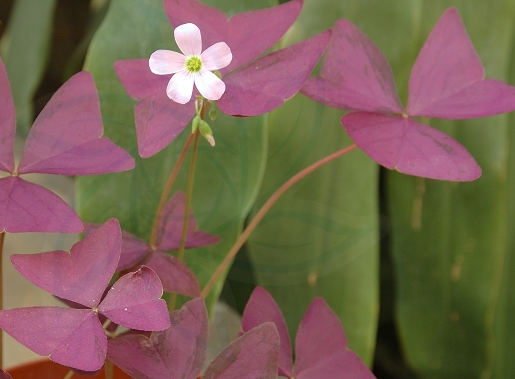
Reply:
x=134, y=301
x=265, y=84
x=447, y=81
x=29, y=207
x=174, y=274
x=251, y=90
x=321, y=345
x=75, y=337
x=5, y=375
x=411, y=147
x=180, y=350
x=158, y=119
x=66, y=139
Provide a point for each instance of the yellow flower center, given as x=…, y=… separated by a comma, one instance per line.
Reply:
x=193, y=64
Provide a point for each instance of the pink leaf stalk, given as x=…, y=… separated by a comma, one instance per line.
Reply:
x=180, y=350
x=252, y=86
x=174, y=274
x=447, y=81
x=75, y=337
x=321, y=347
x=66, y=139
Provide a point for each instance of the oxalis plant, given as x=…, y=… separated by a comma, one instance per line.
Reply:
x=111, y=282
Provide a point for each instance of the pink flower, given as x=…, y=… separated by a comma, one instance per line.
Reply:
x=192, y=66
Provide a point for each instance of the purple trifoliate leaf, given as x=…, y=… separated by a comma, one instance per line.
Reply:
x=133, y=249
x=321, y=348
x=447, y=80
x=410, y=147
x=71, y=337
x=28, y=207
x=66, y=136
x=110, y=327
x=158, y=119
x=80, y=276
x=248, y=34
x=262, y=308
x=321, y=345
x=268, y=82
x=174, y=274
x=171, y=223
x=253, y=355
x=134, y=301
x=7, y=122
x=355, y=74
x=177, y=352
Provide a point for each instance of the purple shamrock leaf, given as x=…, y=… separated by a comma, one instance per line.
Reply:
x=174, y=274
x=65, y=139
x=5, y=375
x=75, y=337
x=252, y=87
x=321, y=347
x=447, y=81
x=180, y=350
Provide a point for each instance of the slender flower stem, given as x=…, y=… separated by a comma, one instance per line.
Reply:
x=2, y=236
x=187, y=206
x=167, y=189
x=109, y=369
x=264, y=209
x=189, y=193
x=69, y=374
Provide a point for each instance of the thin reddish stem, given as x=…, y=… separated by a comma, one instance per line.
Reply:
x=262, y=212
x=166, y=191
x=109, y=369
x=189, y=192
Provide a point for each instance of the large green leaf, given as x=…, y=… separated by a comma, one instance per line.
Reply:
x=24, y=49
x=227, y=176
x=450, y=240
x=321, y=237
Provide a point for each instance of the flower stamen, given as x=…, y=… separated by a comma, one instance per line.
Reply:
x=193, y=64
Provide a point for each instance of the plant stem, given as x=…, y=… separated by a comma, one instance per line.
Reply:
x=167, y=189
x=187, y=206
x=264, y=209
x=69, y=374
x=2, y=236
x=109, y=369
x=189, y=193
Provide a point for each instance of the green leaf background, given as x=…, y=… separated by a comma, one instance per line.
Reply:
x=451, y=245
x=24, y=50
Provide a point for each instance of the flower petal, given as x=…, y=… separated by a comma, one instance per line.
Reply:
x=188, y=39
x=216, y=57
x=180, y=87
x=165, y=62
x=209, y=85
